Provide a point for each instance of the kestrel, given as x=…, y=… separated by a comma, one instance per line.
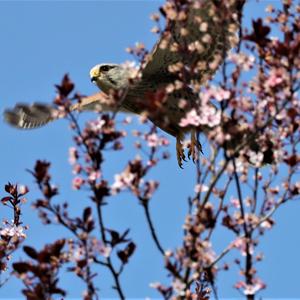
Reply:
x=191, y=48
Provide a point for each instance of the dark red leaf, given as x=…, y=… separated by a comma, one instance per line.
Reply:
x=3, y=266
x=82, y=263
x=259, y=34
x=66, y=86
x=130, y=248
x=58, y=291
x=292, y=160
x=115, y=237
x=126, y=253
x=90, y=226
x=87, y=214
x=6, y=199
x=31, y=252
x=41, y=170
x=21, y=267
x=123, y=257
x=11, y=189
x=44, y=256
x=57, y=247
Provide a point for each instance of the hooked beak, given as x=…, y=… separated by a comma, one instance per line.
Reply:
x=93, y=79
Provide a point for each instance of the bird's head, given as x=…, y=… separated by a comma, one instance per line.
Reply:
x=109, y=76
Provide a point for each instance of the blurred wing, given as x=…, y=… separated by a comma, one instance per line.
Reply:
x=29, y=116
x=197, y=40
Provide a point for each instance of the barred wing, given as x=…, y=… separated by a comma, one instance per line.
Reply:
x=198, y=37
x=29, y=116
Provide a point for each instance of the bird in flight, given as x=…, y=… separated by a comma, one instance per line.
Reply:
x=190, y=49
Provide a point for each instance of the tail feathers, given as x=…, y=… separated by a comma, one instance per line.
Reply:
x=30, y=116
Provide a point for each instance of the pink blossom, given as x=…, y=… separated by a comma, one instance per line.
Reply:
x=179, y=286
x=297, y=187
x=150, y=187
x=275, y=78
x=94, y=175
x=191, y=118
x=240, y=243
x=256, y=158
x=213, y=92
x=122, y=181
x=221, y=94
x=154, y=140
x=155, y=285
x=269, y=8
x=266, y=224
x=127, y=120
x=13, y=231
x=235, y=202
x=73, y=155
x=77, y=254
x=200, y=188
x=245, y=61
x=151, y=162
x=77, y=182
x=105, y=250
x=23, y=189
x=251, y=289
x=97, y=125
x=208, y=116
x=76, y=169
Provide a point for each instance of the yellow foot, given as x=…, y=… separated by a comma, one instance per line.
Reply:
x=179, y=151
x=195, y=146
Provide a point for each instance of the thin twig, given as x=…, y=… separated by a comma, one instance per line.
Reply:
x=145, y=204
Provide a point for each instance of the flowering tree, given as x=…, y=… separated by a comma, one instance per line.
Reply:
x=247, y=171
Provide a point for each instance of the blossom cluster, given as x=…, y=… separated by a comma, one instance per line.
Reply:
x=12, y=233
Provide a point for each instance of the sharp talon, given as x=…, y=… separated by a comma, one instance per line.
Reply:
x=199, y=147
x=179, y=160
x=189, y=153
x=179, y=152
x=195, y=146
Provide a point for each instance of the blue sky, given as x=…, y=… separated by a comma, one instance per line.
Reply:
x=40, y=42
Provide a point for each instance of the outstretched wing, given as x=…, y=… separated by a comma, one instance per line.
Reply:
x=197, y=37
x=29, y=116
x=35, y=115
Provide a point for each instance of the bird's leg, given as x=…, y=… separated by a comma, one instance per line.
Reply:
x=179, y=150
x=194, y=146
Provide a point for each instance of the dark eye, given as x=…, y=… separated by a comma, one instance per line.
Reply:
x=104, y=68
